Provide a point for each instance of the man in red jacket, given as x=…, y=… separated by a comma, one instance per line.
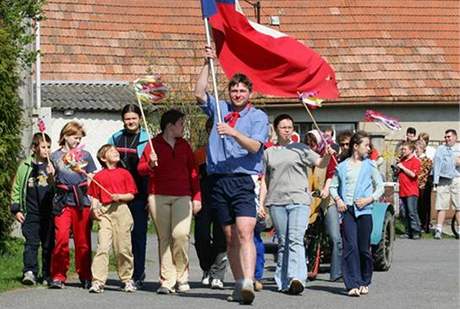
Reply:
x=174, y=192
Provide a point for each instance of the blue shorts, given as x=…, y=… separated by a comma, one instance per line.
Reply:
x=232, y=195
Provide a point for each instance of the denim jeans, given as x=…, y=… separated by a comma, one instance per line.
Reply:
x=290, y=223
x=332, y=224
x=412, y=220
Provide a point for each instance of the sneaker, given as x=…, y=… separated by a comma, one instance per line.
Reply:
x=415, y=237
x=139, y=283
x=182, y=287
x=295, y=287
x=205, y=280
x=164, y=290
x=247, y=292
x=29, y=278
x=404, y=236
x=56, y=284
x=258, y=286
x=85, y=284
x=437, y=234
x=96, y=287
x=129, y=287
x=217, y=284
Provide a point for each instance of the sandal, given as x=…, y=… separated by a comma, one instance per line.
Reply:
x=364, y=290
x=354, y=292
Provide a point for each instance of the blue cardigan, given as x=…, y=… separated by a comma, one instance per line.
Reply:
x=364, y=185
x=143, y=139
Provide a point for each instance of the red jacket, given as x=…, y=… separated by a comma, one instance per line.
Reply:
x=176, y=173
x=408, y=186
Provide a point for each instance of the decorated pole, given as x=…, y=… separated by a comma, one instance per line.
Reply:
x=149, y=89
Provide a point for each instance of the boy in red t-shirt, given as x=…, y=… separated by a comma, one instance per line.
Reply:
x=115, y=220
x=409, y=168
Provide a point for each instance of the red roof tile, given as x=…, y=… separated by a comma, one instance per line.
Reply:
x=391, y=50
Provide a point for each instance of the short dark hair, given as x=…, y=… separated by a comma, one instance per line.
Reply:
x=411, y=130
x=130, y=108
x=330, y=129
x=240, y=78
x=38, y=138
x=170, y=117
x=451, y=131
x=280, y=118
x=345, y=135
x=101, y=153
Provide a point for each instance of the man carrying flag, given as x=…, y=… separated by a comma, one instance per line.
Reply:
x=234, y=157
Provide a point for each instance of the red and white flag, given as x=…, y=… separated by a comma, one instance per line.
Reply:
x=277, y=64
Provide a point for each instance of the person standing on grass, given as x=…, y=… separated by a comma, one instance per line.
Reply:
x=234, y=155
x=31, y=203
x=409, y=168
x=115, y=220
x=446, y=178
x=130, y=143
x=356, y=185
x=174, y=194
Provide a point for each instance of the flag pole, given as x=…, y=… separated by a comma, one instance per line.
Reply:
x=316, y=125
x=213, y=70
x=146, y=126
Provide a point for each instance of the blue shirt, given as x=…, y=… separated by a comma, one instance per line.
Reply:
x=444, y=163
x=225, y=155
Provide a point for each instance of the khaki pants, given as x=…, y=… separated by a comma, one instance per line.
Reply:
x=172, y=216
x=114, y=228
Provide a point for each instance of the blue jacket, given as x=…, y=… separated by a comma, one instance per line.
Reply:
x=364, y=185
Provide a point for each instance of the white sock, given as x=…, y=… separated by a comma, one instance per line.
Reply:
x=439, y=227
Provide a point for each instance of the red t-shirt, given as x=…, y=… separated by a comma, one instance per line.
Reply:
x=409, y=186
x=117, y=180
x=176, y=173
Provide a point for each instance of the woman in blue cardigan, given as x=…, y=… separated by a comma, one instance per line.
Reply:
x=357, y=184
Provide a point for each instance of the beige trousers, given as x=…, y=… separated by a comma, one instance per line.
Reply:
x=172, y=216
x=114, y=229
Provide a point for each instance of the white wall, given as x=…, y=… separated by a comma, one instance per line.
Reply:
x=99, y=126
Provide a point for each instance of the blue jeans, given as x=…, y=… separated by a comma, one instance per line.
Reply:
x=139, y=235
x=290, y=223
x=412, y=220
x=332, y=224
x=260, y=260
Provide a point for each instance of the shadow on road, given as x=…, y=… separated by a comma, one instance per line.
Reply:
x=329, y=289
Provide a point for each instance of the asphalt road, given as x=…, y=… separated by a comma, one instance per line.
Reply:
x=424, y=274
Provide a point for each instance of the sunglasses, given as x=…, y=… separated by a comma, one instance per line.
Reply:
x=344, y=144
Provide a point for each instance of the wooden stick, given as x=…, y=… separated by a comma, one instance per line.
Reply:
x=96, y=182
x=316, y=126
x=146, y=128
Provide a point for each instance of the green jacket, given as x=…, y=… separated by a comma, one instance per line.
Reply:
x=19, y=189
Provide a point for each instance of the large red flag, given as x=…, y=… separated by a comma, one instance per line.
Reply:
x=276, y=63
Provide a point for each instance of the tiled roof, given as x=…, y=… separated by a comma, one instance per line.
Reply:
x=86, y=96
x=393, y=50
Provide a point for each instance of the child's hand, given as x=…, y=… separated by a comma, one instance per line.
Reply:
x=20, y=217
x=362, y=202
x=96, y=214
x=117, y=197
x=341, y=207
x=196, y=207
x=50, y=170
x=324, y=193
x=153, y=159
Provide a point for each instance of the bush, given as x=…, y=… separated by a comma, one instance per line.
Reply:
x=15, y=35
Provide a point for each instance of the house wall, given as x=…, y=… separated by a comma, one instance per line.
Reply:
x=99, y=126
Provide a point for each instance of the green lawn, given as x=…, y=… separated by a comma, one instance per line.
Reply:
x=11, y=266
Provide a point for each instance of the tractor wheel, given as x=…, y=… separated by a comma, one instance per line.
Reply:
x=454, y=227
x=383, y=252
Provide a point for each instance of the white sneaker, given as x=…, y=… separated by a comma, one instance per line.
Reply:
x=205, y=279
x=129, y=287
x=29, y=278
x=96, y=287
x=217, y=284
x=182, y=287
